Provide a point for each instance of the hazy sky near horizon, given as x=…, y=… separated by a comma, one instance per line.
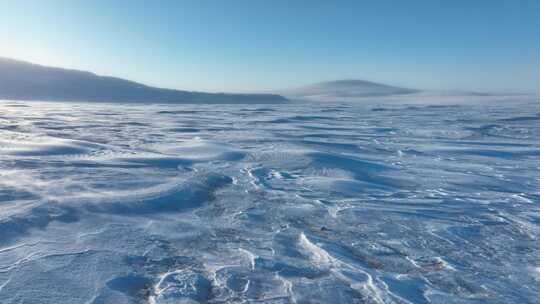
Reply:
x=255, y=45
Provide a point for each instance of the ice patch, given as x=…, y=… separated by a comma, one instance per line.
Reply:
x=181, y=286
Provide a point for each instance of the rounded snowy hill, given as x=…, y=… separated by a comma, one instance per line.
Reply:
x=344, y=90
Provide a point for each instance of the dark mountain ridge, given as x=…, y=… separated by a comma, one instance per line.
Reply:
x=21, y=80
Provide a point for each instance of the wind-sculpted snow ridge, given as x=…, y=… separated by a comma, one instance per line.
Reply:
x=337, y=203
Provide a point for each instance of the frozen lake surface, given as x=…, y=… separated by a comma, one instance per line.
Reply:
x=269, y=204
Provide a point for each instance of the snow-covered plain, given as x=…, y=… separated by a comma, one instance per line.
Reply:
x=332, y=203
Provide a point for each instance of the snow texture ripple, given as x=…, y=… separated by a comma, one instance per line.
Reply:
x=333, y=203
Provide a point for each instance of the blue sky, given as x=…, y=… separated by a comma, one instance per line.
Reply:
x=243, y=45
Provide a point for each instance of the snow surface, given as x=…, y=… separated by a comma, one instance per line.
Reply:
x=333, y=203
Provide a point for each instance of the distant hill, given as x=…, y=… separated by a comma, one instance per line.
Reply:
x=21, y=80
x=343, y=90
